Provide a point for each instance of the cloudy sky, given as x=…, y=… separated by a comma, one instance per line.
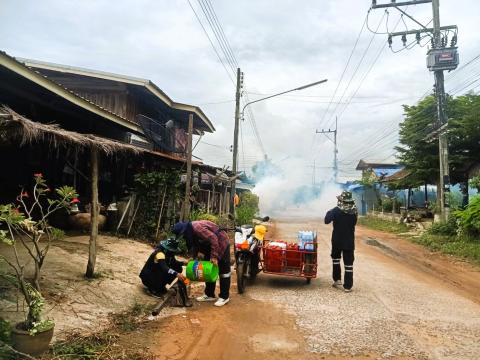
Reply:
x=279, y=44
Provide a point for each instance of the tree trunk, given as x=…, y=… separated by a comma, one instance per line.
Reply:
x=92, y=250
x=36, y=276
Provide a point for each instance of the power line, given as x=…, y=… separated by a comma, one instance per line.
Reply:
x=369, y=69
x=216, y=32
x=343, y=72
x=217, y=29
x=211, y=43
x=356, y=69
x=222, y=33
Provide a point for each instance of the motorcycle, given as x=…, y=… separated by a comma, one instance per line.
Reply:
x=248, y=241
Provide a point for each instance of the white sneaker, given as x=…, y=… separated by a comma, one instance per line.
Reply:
x=337, y=284
x=347, y=290
x=205, y=298
x=221, y=302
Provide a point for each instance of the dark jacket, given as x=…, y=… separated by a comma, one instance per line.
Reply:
x=343, y=235
x=160, y=269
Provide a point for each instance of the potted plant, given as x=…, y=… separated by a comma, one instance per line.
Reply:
x=25, y=225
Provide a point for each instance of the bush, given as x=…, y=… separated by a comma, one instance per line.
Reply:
x=448, y=228
x=152, y=189
x=5, y=330
x=469, y=218
x=455, y=200
x=245, y=214
x=250, y=200
x=247, y=209
x=475, y=183
x=201, y=215
x=387, y=204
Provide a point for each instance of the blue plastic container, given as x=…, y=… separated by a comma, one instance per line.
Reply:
x=306, y=240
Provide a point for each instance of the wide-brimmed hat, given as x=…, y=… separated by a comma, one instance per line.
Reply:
x=346, y=197
x=171, y=245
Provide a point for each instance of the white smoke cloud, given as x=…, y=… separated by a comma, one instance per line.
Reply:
x=291, y=192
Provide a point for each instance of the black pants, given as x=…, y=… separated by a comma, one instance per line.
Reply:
x=225, y=274
x=348, y=258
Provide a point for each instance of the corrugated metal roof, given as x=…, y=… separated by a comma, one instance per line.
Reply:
x=148, y=84
x=35, y=76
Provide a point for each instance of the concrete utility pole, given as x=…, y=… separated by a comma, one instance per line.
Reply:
x=335, y=149
x=439, y=58
x=235, y=138
x=442, y=118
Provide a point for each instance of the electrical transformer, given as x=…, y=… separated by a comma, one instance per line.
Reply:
x=442, y=59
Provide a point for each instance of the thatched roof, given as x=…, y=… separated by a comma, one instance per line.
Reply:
x=25, y=131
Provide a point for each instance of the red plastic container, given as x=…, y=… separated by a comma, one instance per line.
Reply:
x=293, y=256
x=274, y=258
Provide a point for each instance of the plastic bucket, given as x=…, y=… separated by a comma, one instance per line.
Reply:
x=202, y=271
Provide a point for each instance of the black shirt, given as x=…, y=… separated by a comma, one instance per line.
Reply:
x=343, y=235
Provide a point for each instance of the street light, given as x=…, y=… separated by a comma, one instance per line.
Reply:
x=284, y=92
x=237, y=118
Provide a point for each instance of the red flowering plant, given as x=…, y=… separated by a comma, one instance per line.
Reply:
x=25, y=225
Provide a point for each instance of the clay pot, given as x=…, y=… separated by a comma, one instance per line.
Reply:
x=34, y=345
x=81, y=221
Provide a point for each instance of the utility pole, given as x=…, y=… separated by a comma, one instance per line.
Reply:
x=235, y=138
x=442, y=118
x=335, y=149
x=439, y=58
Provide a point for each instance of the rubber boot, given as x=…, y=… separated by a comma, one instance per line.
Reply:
x=182, y=290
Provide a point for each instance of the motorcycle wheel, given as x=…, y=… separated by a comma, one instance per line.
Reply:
x=253, y=271
x=240, y=277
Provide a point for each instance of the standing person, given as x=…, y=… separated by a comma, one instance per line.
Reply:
x=344, y=218
x=205, y=239
x=161, y=268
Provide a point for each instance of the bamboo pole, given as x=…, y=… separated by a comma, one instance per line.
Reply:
x=225, y=202
x=133, y=218
x=161, y=212
x=208, y=202
x=94, y=209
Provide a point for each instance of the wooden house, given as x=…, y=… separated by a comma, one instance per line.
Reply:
x=126, y=110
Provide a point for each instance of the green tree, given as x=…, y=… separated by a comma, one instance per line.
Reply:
x=419, y=154
x=416, y=153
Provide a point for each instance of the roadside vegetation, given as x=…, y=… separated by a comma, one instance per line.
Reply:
x=459, y=236
x=383, y=225
x=247, y=209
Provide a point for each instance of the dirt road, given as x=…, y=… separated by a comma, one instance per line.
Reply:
x=405, y=305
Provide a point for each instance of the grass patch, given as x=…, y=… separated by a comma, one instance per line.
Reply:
x=464, y=247
x=107, y=274
x=383, y=225
x=129, y=320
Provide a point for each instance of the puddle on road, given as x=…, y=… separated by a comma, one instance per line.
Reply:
x=271, y=343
